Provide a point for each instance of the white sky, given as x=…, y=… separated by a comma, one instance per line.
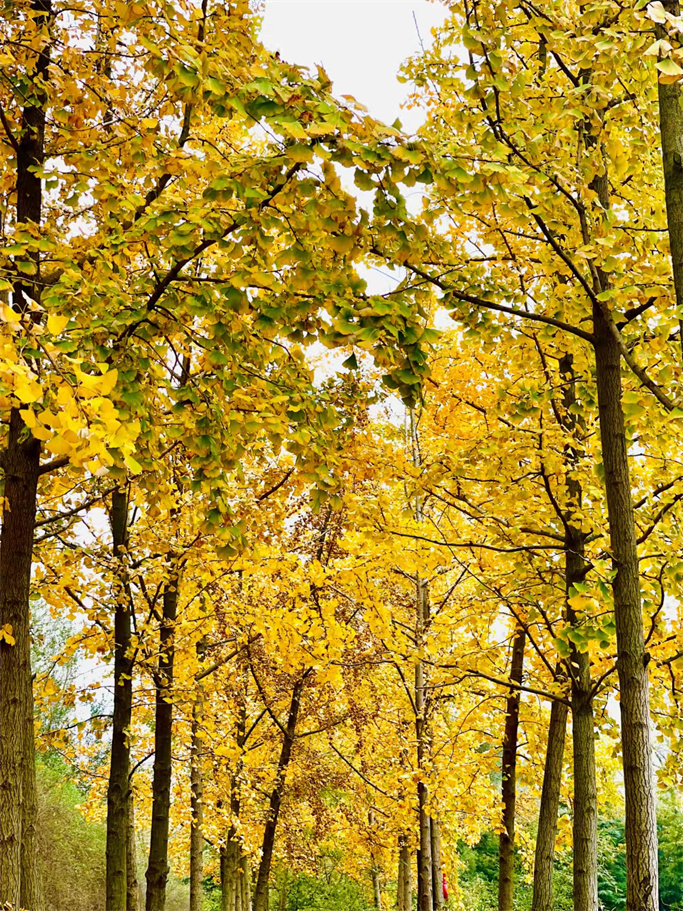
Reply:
x=360, y=43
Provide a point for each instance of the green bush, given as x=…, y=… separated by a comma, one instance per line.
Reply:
x=71, y=849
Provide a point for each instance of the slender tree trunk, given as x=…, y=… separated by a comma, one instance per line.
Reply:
x=404, y=899
x=642, y=877
x=17, y=757
x=424, y=856
x=197, y=807
x=245, y=880
x=543, y=899
x=376, y=887
x=157, y=868
x=118, y=788
x=234, y=875
x=639, y=786
x=437, y=867
x=424, y=852
x=400, y=883
x=585, y=828
x=132, y=884
x=261, y=892
x=506, y=862
x=671, y=133
x=228, y=876
x=235, y=891
x=19, y=883
x=585, y=855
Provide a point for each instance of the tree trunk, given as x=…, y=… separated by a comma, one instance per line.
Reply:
x=228, y=876
x=642, y=878
x=235, y=891
x=376, y=887
x=585, y=823
x=639, y=786
x=132, y=884
x=424, y=855
x=437, y=867
x=261, y=892
x=404, y=898
x=245, y=883
x=506, y=859
x=19, y=882
x=196, y=806
x=118, y=787
x=232, y=874
x=543, y=899
x=671, y=133
x=17, y=751
x=157, y=868
x=585, y=828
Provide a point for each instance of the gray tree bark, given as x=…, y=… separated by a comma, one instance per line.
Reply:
x=639, y=786
x=585, y=822
x=196, y=806
x=424, y=855
x=376, y=887
x=437, y=866
x=506, y=856
x=132, y=883
x=404, y=896
x=642, y=872
x=118, y=786
x=543, y=897
x=157, y=867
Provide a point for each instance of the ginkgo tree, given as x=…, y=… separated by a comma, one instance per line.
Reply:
x=162, y=188
x=327, y=630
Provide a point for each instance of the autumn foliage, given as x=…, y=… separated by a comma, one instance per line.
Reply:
x=306, y=582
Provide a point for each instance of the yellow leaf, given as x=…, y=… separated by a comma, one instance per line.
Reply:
x=108, y=382
x=56, y=323
x=6, y=633
x=132, y=463
x=59, y=446
x=27, y=390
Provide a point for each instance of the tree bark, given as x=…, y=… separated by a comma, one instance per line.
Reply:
x=506, y=860
x=424, y=854
x=196, y=806
x=118, y=787
x=232, y=862
x=261, y=891
x=437, y=867
x=17, y=750
x=132, y=884
x=235, y=890
x=639, y=788
x=157, y=868
x=19, y=883
x=671, y=135
x=404, y=898
x=642, y=876
x=543, y=899
x=585, y=824
x=376, y=887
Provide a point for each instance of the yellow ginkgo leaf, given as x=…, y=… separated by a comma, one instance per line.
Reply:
x=56, y=323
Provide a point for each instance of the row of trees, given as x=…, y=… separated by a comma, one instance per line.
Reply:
x=327, y=626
